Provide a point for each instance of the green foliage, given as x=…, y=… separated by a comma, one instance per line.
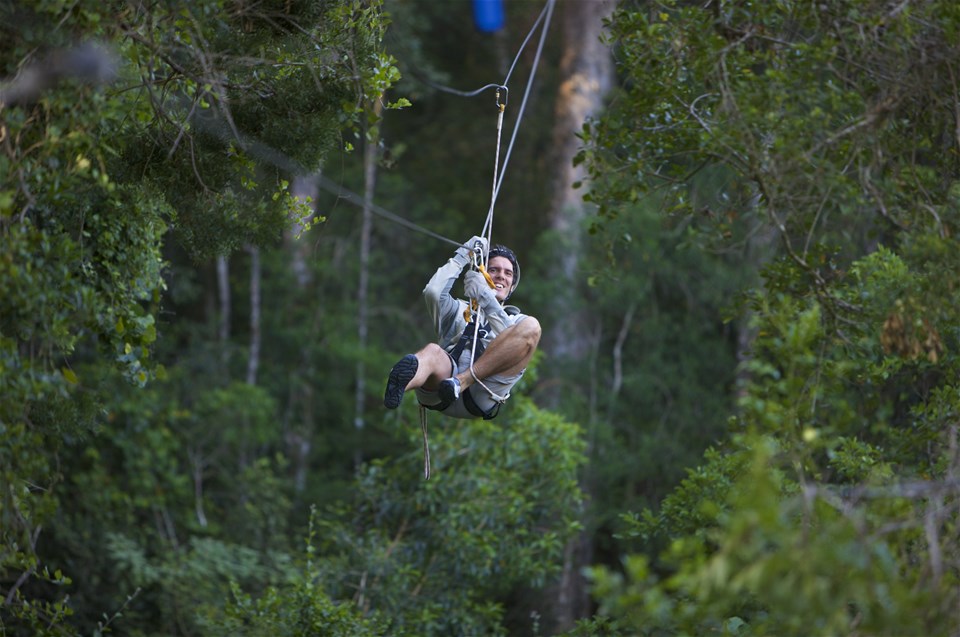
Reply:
x=300, y=609
x=809, y=139
x=660, y=378
x=184, y=130
x=827, y=516
x=435, y=556
x=775, y=187
x=785, y=563
x=804, y=109
x=169, y=505
x=25, y=616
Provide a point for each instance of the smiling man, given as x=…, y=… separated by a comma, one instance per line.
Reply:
x=442, y=373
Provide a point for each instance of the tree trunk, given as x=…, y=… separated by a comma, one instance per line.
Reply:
x=223, y=293
x=369, y=183
x=253, y=362
x=587, y=74
x=298, y=434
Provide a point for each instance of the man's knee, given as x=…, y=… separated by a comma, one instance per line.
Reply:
x=529, y=329
x=431, y=350
x=431, y=354
x=435, y=360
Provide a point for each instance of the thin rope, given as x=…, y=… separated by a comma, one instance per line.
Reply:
x=499, y=399
x=269, y=155
x=453, y=91
x=544, y=17
x=447, y=89
x=487, y=231
x=533, y=28
x=426, y=445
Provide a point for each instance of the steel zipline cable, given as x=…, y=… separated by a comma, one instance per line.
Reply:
x=499, y=172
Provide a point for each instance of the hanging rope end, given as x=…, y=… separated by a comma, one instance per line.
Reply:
x=426, y=445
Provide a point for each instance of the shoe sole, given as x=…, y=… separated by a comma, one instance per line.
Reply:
x=401, y=374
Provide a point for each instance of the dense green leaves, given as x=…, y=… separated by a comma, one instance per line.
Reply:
x=119, y=124
x=772, y=278
x=826, y=511
x=438, y=557
x=779, y=561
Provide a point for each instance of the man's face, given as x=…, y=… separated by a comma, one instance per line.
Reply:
x=501, y=271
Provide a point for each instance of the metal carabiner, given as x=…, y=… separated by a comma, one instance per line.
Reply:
x=478, y=253
x=502, y=106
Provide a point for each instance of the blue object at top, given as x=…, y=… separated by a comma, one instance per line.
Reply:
x=488, y=15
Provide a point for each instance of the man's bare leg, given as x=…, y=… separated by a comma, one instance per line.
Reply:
x=509, y=353
x=434, y=365
x=426, y=368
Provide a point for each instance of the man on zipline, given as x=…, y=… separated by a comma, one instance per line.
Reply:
x=451, y=376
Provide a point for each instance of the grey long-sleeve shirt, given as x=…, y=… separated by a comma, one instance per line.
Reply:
x=447, y=311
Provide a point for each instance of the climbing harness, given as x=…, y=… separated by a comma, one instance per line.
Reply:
x=473, y=338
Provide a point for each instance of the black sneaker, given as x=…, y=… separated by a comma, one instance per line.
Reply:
x=449, y=390
x=400, y=375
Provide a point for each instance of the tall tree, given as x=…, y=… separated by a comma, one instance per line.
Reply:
x=586, y=76
x=256, y=338
x=371, y=146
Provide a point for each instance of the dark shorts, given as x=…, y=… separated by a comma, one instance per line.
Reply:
x=485, y=405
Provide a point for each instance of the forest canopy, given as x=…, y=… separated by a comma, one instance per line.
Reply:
x=755, y=433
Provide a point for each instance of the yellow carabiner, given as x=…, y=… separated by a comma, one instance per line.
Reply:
x=490, y=282
x=470, y=309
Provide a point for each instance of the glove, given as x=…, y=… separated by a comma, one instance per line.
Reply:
x=463, y=252
x=475, y=286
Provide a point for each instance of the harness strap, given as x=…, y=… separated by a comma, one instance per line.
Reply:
x=469, y=403
x=467, y=340
x=474, y=408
